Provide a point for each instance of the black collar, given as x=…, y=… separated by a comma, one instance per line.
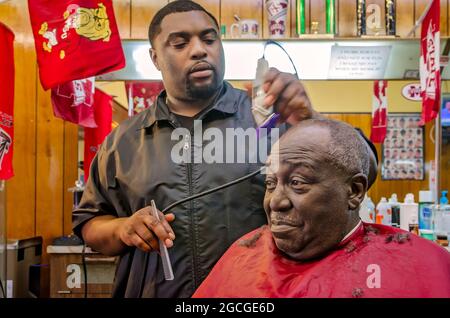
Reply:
x=227, y=103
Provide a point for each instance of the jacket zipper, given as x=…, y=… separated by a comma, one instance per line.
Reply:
x=189, y=167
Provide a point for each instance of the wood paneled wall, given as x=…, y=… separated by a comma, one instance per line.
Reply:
x=45, y=160
x=45, y=148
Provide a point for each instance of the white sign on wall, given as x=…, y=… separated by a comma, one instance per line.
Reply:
x=358, y=62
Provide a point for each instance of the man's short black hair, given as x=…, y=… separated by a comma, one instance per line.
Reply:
x=174, y=7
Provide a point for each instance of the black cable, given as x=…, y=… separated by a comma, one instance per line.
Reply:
x=269, y=42
x=83, y=260
x=223, y=186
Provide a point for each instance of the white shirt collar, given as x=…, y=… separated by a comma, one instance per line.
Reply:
x=352, y=231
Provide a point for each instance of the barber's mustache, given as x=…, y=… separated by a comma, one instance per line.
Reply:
x=201, y=66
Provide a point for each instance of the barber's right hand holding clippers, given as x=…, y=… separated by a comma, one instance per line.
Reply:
x=143, y=231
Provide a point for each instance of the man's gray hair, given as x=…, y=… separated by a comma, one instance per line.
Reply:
x=347, y=149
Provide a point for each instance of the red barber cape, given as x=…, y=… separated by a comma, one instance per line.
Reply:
x=74, y=39
x=375, y=261
x=93, y=137
x=6, y=102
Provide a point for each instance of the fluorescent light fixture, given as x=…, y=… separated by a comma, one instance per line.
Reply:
x=311, y=58
x=143, y=64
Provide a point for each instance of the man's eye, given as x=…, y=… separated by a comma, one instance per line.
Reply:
x=270, y=185
x=297, y=183
x=209, y=40
x=179, y=45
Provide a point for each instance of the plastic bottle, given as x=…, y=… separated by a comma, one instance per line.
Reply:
x=441, y=219
x=367, y=210
x=426, y=214
x=395, y=209
x=443, y=199
x=409, y=214
x=371, y=208
x=384, y=212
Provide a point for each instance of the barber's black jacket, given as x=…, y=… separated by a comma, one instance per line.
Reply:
x=134, y=166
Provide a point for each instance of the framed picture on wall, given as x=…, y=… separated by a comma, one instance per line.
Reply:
x=403, y=149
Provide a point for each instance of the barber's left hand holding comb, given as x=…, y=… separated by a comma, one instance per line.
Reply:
x=143, y=231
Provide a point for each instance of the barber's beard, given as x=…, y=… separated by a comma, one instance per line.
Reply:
x=205, y=90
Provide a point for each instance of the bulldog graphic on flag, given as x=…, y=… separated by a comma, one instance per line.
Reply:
x=74, y=39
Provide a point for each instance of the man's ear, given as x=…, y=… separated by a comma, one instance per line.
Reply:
x=357, y=189
x=373, y=167
x=154, y=58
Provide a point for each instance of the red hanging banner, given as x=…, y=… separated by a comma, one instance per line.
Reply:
x=379, y=112
x=93, y=137
x=74, y=39
x=73, y=102
x=142, y=95
x=430, y=75
x=6, y=102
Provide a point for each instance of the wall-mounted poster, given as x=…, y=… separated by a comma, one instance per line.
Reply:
x=403, y=149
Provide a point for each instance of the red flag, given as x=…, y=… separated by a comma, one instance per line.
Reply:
x=73, y=102
x=6, y=102
x=93, y=137
x=74, y=39
x=142, y=95
x=379, y=112
x=430, y=75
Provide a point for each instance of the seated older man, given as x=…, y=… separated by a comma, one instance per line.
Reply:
x=315, y=244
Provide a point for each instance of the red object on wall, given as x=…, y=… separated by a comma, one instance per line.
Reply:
x=379, y=112
x=6, y=102
x=93, y=137
x=142, y=95
x=73, y=101
x=74, y=39
x=430, y=74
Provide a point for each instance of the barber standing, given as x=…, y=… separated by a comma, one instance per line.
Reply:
x=133, y=166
